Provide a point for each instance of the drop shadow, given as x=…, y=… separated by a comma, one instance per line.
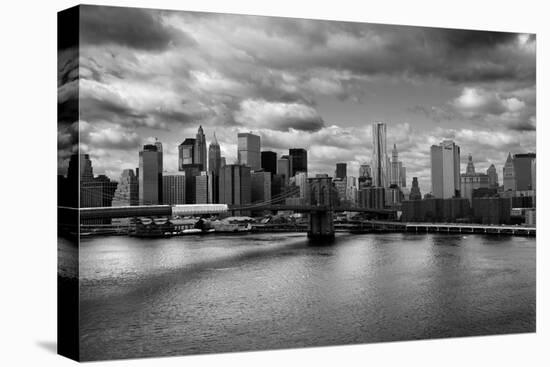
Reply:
x=48, y=345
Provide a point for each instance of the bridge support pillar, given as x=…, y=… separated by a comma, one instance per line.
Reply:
x=321, y=226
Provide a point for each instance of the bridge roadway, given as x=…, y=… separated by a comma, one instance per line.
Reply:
x=310, y=208
x=201, y=209
x=149, y=210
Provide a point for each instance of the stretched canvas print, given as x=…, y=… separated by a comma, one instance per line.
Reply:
x=235, y=183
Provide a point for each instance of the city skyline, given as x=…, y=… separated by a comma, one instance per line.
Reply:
x=230, y=183
x=323, y=95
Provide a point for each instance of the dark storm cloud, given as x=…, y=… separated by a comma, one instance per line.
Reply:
x=373, y=49
x=461, y=39
x=178, y=117
x=523, y=125
x=131, y=27
x=107, y=110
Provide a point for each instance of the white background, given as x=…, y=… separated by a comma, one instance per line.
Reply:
x=28, y=187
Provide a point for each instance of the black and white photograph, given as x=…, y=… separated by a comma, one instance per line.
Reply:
x=231, y=183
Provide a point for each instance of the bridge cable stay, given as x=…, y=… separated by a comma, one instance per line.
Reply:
x=271, y=201
x=99, y=195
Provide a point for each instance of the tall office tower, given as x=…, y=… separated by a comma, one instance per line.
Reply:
x=379, y=155
x=186, y=153
x=204, y=188
x=351, y=189
x=149, y=175
x=269, y=162
x=341, y=170
x=339, y=185
x=283, y=169
x=298, y=160
x=470, y=169
x=445, y=163
x=214, y=157
x=396, y=168
x=403, y=176
x=508, y=174
x=94, y=191
x=393, y=196
x=471, y=180
x=200, y=149
x=248, y=150
x=222, y=162
x=493, y=176
x=80, y=168
x=522, y=170
x=173, y=188
x=158, y=144
x=235, y=186
x=260, y=186
x=364, y=170
x=415, y=190
x=97, y=192
x=300, y=179
x=127, y=192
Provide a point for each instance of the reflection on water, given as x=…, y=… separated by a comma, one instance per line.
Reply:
x=263, y=291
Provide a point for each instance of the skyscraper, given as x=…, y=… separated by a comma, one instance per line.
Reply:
x=341, y=170
x=158, y=144
x=522, y=170
x=283, y=169
x=235, y=186
x=80, y=168
x=97, y=192
x=445, y=164
x=127, y=192
x=204, y=188
x=396, y=168
x=94, y=191
x=403, y=176
x=200, y=149
x=260, y=186
x=173, y=188
x=352, y=184
x=214, y=156
x=379, y=155
x=470, y=169
x=269, y=162
x=186, y=153
x=415, y=190
x=298, y=160
x=365, y=170
x=493, y=176
x=508, y=174
x=149, y=175
x=248, y=150
x=471, y=180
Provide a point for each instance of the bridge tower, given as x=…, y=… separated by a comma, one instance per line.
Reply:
x=321, y=225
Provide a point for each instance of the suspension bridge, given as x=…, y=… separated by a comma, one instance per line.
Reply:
x=318, y=203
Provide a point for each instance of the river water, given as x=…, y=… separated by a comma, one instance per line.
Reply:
x=186, y=295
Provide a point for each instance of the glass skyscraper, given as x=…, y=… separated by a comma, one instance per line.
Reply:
x=379, y=155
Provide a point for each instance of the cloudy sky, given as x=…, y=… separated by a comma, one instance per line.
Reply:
x=297, y=83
